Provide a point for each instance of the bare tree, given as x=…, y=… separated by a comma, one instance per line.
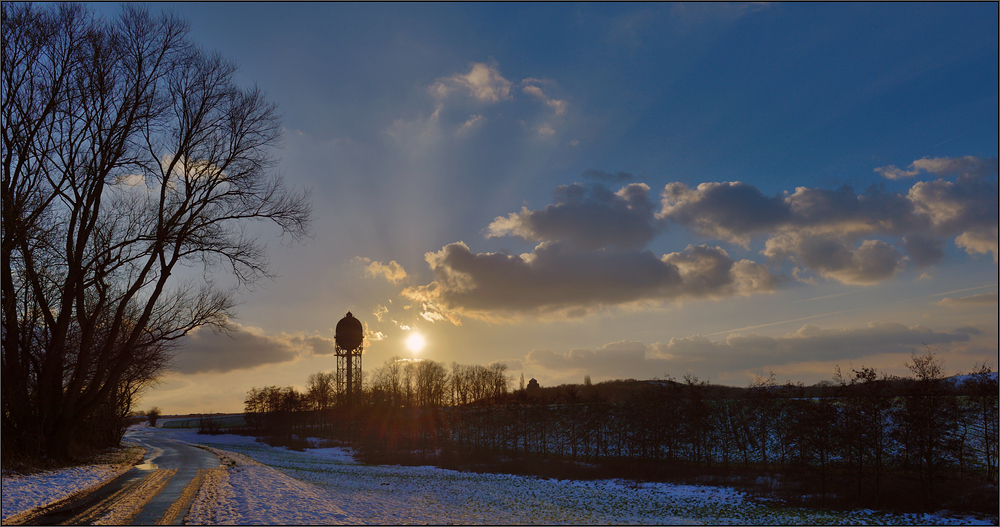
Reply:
x=929, y=415
x=127, y=154
x=983, y=404
x=320, y=390
x=431, y=381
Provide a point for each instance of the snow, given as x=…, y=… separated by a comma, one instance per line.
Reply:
x=24, y=494
x=260, y=484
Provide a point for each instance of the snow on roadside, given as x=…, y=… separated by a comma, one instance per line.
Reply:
x=22, y=495
x=259, y=484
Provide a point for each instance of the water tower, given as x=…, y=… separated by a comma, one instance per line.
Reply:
x=350, y=338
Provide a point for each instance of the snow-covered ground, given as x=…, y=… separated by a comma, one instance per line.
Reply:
x=24, y=494
x=259, y=484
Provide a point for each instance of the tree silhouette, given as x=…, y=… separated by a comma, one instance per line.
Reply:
x=128, y=153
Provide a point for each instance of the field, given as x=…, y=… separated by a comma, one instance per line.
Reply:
x=265, y=484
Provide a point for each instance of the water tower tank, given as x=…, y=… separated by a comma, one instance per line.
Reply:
x=350, y=334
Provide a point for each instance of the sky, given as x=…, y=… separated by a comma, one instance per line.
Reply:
x=617, y=190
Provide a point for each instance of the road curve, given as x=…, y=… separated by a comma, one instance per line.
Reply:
x=159, y=491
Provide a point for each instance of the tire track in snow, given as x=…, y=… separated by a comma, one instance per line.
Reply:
x=120, y=507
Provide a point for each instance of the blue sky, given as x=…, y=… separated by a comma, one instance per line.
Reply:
x=619, y=190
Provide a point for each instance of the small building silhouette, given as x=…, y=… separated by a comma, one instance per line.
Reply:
x=533, y=386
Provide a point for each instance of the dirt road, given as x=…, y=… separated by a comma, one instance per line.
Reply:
x=159, y=491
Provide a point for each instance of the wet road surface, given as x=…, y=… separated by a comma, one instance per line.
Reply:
x=159, y=491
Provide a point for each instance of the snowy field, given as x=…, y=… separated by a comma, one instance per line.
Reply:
x=267, y=485
x=259, y=484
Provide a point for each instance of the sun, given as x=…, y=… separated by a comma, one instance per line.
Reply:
x=415, y=342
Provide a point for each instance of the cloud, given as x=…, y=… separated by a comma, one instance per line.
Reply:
x=872, y=262
x=531, y=87
x=811, y=223
x=392, y=271
x=243, y=348
x=613, y=360
x=483, y=83
x=954, y=207
x=739, y=352
x=586, y=217
x=734, y=211
x=728, y=211
x=380, y=312
x=809, y=343
x=482, y=98
x=474, y=122
x=591, y=241
x=545, y=129
x=987, y=299
x=943, y=166
x=923, y=249
x=982, y=241
x=553, y=280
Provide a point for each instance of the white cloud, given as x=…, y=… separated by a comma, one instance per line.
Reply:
x=979, y=242
x=531, y=87
x=545, y=129
x=483, y=82
x=474, y=122
x=391, y=272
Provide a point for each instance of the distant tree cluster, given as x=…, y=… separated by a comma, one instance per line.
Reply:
x=858, y=433
x=388, y=392
x=128, y=155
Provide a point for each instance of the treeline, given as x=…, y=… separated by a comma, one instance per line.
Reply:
x=383, y=411
x=859, y=434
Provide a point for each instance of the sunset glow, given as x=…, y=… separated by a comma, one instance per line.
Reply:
x=615, y=190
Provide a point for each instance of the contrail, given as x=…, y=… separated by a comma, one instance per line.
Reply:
x=946, y=140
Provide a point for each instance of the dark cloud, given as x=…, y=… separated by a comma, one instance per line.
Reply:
x=617, y=177
x=615, y=360
x=735, y=211
x=923, y=249
x=321, y=345
x=552, y=279
x=588, y=217
x=812, y=343
x=809, y=344
x=728, y=210
x=828, y=256
x=243, y=348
